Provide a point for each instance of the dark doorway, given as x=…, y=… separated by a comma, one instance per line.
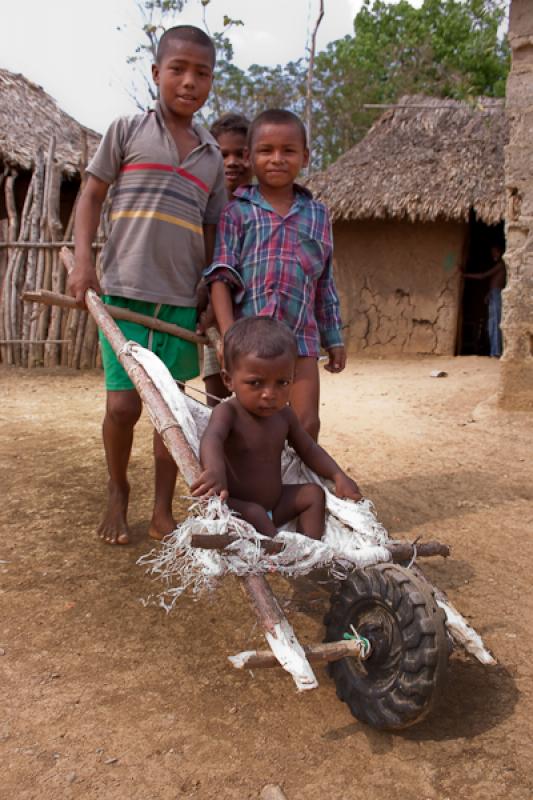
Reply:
x=472, y=337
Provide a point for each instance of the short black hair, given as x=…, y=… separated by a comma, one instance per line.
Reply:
x=263, y=337
x=185, y=33
x=230, y=123
x=276, y=116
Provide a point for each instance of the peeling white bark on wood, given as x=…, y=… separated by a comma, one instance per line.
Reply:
x=279, y=633
x=459, y=629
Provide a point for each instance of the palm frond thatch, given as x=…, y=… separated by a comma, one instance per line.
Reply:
x=425, y=159
x=28, y=118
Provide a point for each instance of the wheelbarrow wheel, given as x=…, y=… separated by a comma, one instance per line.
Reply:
x=398, y=684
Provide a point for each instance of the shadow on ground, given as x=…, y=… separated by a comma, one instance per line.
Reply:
x=475, y=699
x=418, y=499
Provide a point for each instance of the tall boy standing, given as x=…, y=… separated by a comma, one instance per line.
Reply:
x=273, y=257
x=168, y=194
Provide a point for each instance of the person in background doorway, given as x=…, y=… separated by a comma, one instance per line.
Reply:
x=497, y=276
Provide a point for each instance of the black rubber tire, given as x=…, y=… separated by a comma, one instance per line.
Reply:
x=400, y=682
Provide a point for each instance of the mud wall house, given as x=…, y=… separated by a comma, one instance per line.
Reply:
x=42, y=153
x=420, y=195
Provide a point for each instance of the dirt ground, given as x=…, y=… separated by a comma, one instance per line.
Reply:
x=101, y=697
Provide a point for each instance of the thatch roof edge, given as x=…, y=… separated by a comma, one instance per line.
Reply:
x=29, y=117
x=430, y=159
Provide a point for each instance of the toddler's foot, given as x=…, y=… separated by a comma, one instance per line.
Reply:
x=113, y=528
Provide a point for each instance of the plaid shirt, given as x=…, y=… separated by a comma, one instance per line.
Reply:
x=280, y=267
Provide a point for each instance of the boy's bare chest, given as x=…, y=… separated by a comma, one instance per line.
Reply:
x=185, y=142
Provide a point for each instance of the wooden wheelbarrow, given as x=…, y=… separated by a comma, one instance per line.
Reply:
x=386, y=641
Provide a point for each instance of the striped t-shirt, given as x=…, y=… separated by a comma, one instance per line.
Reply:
x=155, y=250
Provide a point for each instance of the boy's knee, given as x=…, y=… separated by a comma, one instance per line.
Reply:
x=160, y=449
x=316, y=495
x=256, y=514
x=258, y=517
x=123, y=409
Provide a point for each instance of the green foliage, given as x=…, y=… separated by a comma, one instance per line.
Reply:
x=445, y=48
x=450, y=47
x=260, y=87
x=156, y=15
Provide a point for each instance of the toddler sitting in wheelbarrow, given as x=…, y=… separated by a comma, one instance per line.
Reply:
x=241, y=449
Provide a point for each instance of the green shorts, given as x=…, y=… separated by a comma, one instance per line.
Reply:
x=180, y=357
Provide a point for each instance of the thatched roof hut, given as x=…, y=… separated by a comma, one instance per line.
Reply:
x=28, y=119
x=422, y=194
x=42, y=153
x=425, y=159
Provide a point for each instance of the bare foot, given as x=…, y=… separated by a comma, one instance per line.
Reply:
x=113, y=528
x=161, y=525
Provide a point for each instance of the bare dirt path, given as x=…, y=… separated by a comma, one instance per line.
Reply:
x=101, y=697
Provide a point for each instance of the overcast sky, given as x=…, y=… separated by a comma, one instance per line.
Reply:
x=76, y=52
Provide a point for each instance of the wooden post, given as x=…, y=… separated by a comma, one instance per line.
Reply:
x=31, y=266
x=88, y=349
x=44, y=317
x=69, y=324
x=12, y=227
x=51, y=351
x=15, y=272
x=80, y=335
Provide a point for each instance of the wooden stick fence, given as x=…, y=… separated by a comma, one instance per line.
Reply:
x=32, y=335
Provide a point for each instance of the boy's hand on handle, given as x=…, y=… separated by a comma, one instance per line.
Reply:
x=208, y=484
x=88, y=212
x=216, y=341
x=345, y=487
x=337, y=359
x=82, y=277
x=206, y=319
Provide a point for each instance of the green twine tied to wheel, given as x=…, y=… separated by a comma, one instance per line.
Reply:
x=366, y=647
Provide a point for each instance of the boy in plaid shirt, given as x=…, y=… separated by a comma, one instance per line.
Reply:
x=273, y=257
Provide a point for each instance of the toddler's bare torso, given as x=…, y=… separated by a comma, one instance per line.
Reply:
x=253, y=456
